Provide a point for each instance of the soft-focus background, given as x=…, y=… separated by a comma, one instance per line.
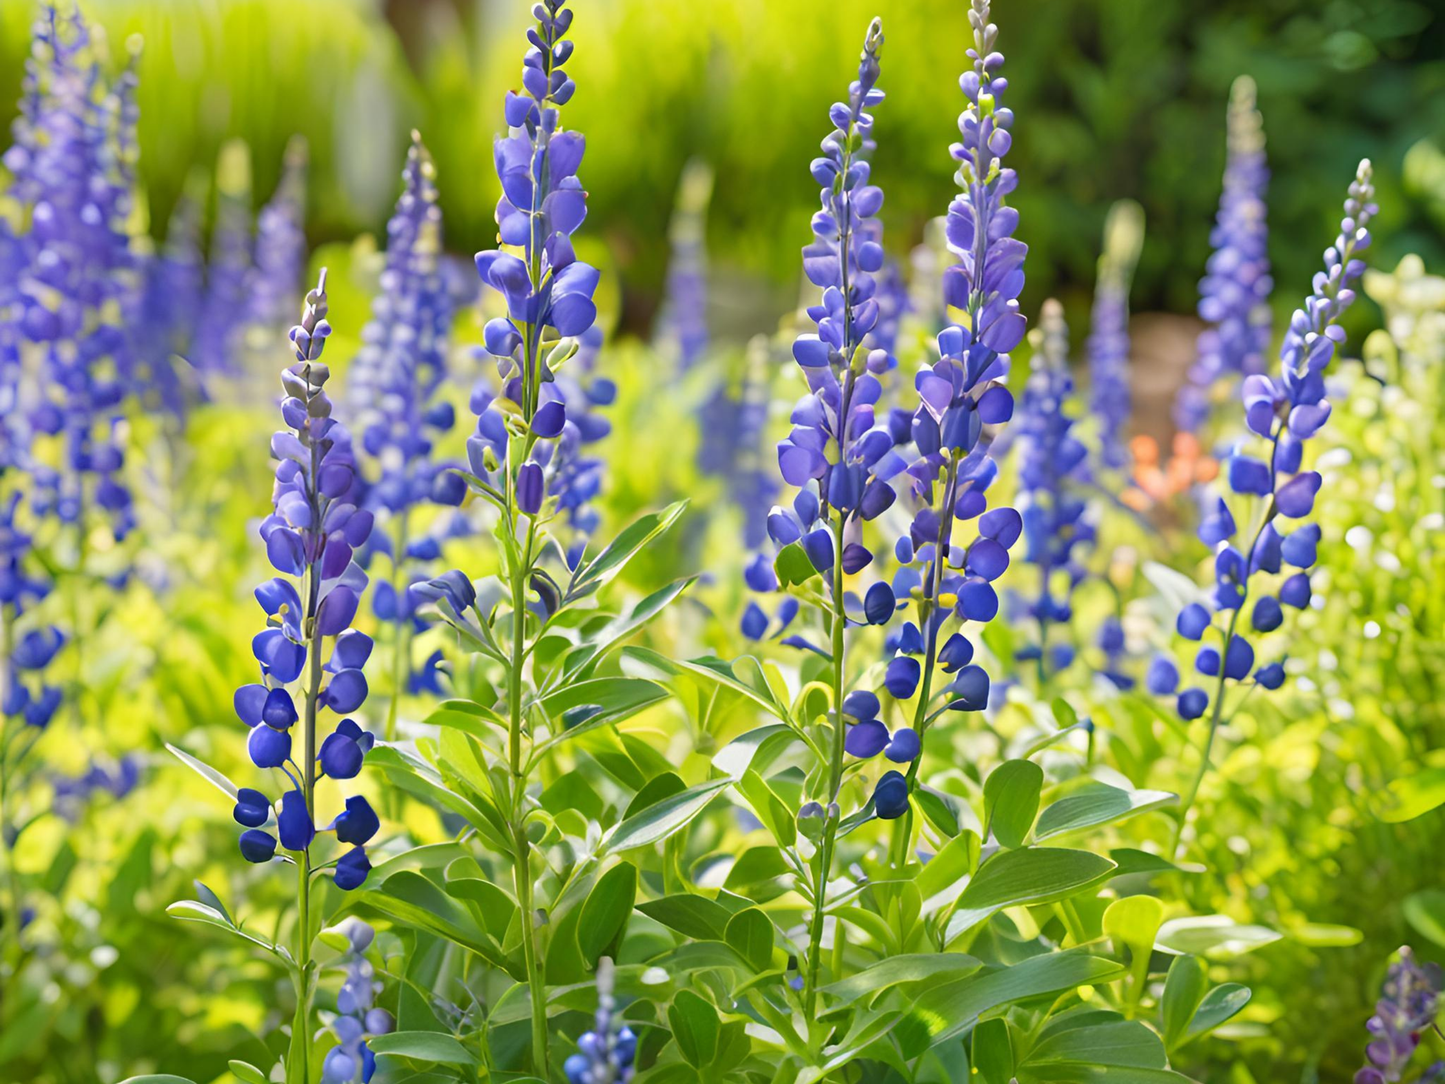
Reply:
x=1125, y=98
x=1115, y=99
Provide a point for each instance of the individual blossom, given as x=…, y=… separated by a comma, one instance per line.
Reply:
x=221, y=328
x=1261, y=536
x=1110, y=398
x=1234, y=293
x=311, y=659
x=358, y=1018
x=1408, y=1006
x=394, y=384
x=604, y=1054
x=1053, y=473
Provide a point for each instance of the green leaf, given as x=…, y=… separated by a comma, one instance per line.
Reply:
x=993, y=1056
x=1219, y=1005
x=689, y=914
x=657, y=822
x=947, y=1011
x=605, y=912
x=1098, y=804
x=210, y=899
x=429, y=1046
x=591, y=575
x=596, y=703
x=248, y=1073
x=157, y=1078
x=695, y=1025
x=1214, y=936
x=653, y=791
x=1035, y=875
x=206, y=772
x=1405, y=799
x=1011, y=801
x=1183, y=991
x=941, y=809
x=1123, y=1043
x=195, y=911
x=1425, y=910
x=744, y=675
x=738, y=755
x=934, y=968
x=792, y=566
x=413, y=899
x=585, y=659
x=750, y=932
x=775, y=814
x=945, y=876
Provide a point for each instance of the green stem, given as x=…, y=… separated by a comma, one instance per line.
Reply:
x=838, y=623
x=522, y=865
x=402, y=643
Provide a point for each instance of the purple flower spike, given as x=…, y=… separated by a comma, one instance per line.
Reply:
x=317, y=527
x=1234, y=293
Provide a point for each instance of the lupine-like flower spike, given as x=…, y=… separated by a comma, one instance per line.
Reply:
x=1234, y=293
x=228, y=268
x=684, y=312
x=944, y=449
x=1283, y=412
x=394, y=383
x=549, y=298
x=310, y=538
x=170, y=311
x=1110, y=397
x=74, y=269
x=1408, y=1006
x=280, y=260
x=604, y=1054
x=351, y=1060
x=1053, y=471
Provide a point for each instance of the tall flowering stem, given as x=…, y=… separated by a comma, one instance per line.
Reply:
x=829, y=450
x=394, y=383
x=1234, y=293
x=684, y=314
x=944, y=453
x=311, y=537
x=1282, y=412
x=1110, y=395
x=1408, y=1005
x=280, y=255
x=1053, y=472
x=524, y=455
x=228, y=266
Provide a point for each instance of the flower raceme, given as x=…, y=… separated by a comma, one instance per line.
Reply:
x=1234, y=293
x=1053, y=471
x=311, y=538
x=1282, y=413
x=358, y=1018
x=548, y=292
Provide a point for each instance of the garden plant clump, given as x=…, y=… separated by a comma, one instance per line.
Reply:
x=859, y=698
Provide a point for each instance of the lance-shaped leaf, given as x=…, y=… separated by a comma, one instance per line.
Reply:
x=1095, y=805
x=584, y=706
x=658, y=821
x=590, y=575
x=1035, y=875
x=1011, y=800
x=582, y=662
